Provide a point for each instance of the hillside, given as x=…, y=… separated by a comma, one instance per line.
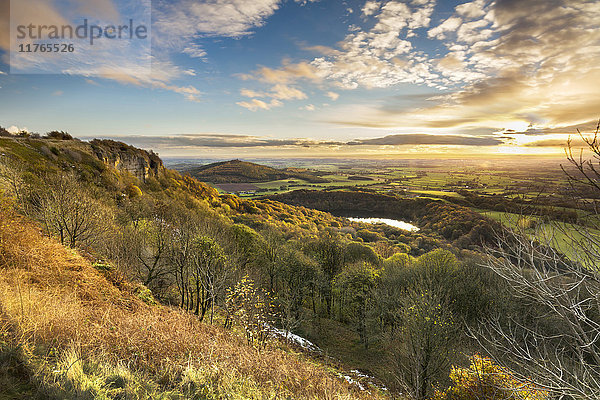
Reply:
x=70, y=329
x=124, y=279
x=236, y=171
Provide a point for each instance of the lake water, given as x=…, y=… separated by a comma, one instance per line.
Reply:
x=391, y=222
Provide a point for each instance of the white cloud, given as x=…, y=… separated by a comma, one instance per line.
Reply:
x=380, y=56
x=255, y=104
x=276, y=94
x=288, y=73
x=186, y=19
x=332, y=95
x=474, y=9
x=371, y=7
x=449, y=25
x=251, y=93
x=522, y=62
x=114, y=61
x=308, y=107
x=507, y=62
x=471, y=32
x=284, y=92
x=194, y=51
x=180, y=26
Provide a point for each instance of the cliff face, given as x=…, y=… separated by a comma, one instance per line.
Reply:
x=140, y=163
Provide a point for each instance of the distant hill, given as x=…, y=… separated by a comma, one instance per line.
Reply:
x=237, y=171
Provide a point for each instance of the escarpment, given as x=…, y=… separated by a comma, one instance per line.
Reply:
x=140, y=163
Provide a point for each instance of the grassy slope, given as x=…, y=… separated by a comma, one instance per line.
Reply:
x=343, y=343
x=67, y=332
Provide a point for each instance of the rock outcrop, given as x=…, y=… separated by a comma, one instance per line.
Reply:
x=140, y=163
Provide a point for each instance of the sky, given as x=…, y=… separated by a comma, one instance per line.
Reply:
x=321, y=78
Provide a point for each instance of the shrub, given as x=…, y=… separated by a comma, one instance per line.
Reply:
x=486, y=380
x=58, y=135
x=253, y=310
x=4, y=132
x=145, y=295
x=133, y=191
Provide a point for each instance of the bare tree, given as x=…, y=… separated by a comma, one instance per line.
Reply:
x=559, y=344
x=11, y=177
x=145, y=246
x=422, y=346
x=180, y=258
x=68, y=210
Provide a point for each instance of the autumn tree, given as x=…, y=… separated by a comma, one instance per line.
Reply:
x=12, y=180
x=484, y=379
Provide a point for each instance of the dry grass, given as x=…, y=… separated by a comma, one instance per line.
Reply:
x=81, y=337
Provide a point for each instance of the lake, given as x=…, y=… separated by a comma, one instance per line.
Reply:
x=391, y=222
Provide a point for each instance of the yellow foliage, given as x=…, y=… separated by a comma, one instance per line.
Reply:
x=486, y=380
x=133, y=191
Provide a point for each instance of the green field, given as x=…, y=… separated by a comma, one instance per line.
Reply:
x=510, y=184
x=286, y=185
x=562, y=236
x=437, y=193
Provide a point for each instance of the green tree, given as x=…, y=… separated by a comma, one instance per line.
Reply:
x=210, y=274
x=297, y=274
x=393, y=283
x=269, y=255
x=357, y=283
x=328, y=250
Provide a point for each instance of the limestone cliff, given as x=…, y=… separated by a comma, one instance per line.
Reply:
x=140, y=163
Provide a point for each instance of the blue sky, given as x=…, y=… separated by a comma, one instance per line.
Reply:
x=295, y=77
